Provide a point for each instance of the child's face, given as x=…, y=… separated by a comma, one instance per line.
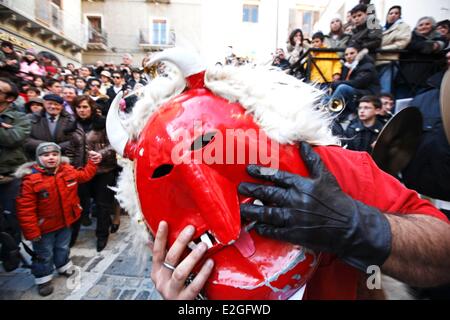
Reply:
x=50, y=160
x=350, y=54
x=359, y=18
x=317, y=43
x=387, y=104
x=31, y=94
x=36, y=107
x=366, y=111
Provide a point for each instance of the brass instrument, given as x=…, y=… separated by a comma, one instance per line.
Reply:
x=151, y=71
x=336, y=106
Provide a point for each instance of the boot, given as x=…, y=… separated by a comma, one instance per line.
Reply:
x=101, y=244
x=45, y=289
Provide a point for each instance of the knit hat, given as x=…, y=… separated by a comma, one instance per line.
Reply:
x=46, y=147
x=32, y=52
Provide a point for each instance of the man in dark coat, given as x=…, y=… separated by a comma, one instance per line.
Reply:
x=429, y=170
x=54, y=124
x=14, y=129
x=9, y=62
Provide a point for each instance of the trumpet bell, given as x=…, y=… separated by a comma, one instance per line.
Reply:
x=336, y=106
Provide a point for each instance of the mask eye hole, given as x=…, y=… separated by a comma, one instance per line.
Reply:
x=162, y=170
x=202, y=141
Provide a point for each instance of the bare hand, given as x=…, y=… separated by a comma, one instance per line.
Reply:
x=6, y=125
x=95, y=157
x=436, y=46
x=171, y=283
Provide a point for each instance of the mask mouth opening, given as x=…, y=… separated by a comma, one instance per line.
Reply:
x=212, y=242
x=206, y=238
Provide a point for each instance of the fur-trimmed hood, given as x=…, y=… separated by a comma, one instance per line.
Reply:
x=27, y=168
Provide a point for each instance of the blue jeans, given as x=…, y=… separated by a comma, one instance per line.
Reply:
x=387, y=73
x=51, y=250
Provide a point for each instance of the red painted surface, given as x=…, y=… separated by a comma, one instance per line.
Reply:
x=205, y=194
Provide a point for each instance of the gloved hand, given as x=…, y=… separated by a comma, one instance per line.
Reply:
x=314, y=212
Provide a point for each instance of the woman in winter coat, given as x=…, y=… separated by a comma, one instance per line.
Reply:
x=90, y=135
x=296, y=47
x=396, y=36
x=337, y=38
x=427, y=45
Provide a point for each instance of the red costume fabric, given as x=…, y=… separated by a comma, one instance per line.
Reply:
x=359, y=177
x=50, y=202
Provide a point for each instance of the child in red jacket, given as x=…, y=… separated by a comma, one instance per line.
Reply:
x=47, y=206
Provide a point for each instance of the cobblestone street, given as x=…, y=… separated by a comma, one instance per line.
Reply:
x=112, y=274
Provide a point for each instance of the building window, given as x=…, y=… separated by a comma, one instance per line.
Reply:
x=307, y=22
x=159, y=31
x=250, y=13
x=94, y=28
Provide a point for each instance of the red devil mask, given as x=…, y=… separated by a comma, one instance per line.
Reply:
x=189, y=160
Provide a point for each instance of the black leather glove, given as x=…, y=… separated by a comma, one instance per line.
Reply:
x=315, y=213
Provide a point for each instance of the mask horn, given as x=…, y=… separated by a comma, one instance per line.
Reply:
x=187, y=61
x=118, y=137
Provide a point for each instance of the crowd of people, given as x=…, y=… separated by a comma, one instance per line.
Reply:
x=52, y=121
x=366, y=63
x=62, y=110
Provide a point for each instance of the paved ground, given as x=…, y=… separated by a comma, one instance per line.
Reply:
x=113, y=274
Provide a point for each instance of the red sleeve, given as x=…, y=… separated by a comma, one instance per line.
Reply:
x=87, y=173
x=26, y=208
x=360, y=177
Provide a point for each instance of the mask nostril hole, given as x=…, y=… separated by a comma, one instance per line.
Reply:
x=162, y=170
x=202, y=141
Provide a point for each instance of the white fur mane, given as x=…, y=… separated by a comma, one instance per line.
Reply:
x=286, y=108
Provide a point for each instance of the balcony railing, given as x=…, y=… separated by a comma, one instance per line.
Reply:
x=48, y=19
x=50, y=14
x=147, y=40
x=97, y=40
x=308, y=60
x=97, y=37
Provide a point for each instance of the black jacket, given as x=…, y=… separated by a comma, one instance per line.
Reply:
x=421, y=49
x=359, y=137
x=429, y=170
x=364, y=77
x=368, y=38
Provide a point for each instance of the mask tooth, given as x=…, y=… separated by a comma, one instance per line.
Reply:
x=192, y=245
x=205, y=238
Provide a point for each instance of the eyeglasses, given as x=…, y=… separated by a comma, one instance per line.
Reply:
x=117, y=77
x=95, y=85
